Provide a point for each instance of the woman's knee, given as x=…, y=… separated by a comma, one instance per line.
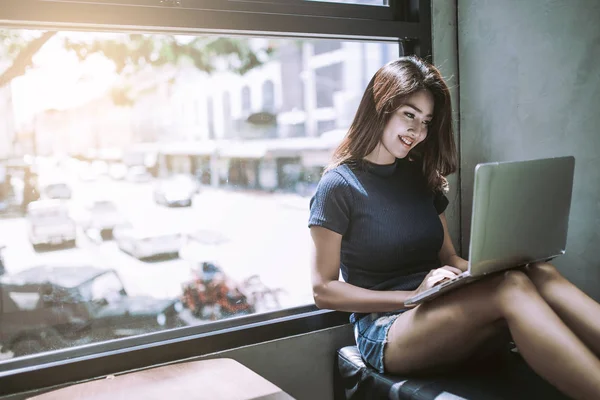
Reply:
x=514, y=287
x=542, y=274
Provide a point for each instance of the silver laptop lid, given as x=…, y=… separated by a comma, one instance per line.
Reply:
x=520, y=212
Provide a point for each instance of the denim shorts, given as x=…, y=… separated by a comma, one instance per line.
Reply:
x=371, y=334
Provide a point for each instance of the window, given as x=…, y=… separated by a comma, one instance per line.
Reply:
x=226, y=111
x=326, y=46
x=268, y=90
x=210, y=118
x=325, y=126
x=190, y=195
x=158, y=205
x=196, y=110
x=328, y=81
x=246, y=100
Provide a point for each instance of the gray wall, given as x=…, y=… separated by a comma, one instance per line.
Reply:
x=300, y=365
x=443, y=18
x=530, y=88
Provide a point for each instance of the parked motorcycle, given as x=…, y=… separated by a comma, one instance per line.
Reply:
x=211, y=295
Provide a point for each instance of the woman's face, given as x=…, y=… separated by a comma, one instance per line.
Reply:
x=406, y=128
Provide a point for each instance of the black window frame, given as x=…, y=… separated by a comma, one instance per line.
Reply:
x=346, y=21
x=302, y=7
x=406, y=22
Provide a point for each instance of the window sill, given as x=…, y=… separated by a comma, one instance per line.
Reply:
x=118, y=356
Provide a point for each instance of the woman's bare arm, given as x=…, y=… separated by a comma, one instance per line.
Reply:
x=447, y=254
x=333, y=294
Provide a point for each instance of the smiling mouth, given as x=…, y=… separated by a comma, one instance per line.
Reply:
x=406, y=141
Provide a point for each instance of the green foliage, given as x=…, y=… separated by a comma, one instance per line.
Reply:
x=20, y=47
x=12, y=42
x=132, y=52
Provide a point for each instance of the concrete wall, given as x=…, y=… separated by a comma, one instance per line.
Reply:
x=300, y=365
x=530, y=88
x=444, y=34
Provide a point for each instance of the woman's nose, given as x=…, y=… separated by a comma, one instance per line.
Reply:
x=416, y=128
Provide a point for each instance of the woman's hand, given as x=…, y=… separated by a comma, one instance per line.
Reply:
x=437, y=276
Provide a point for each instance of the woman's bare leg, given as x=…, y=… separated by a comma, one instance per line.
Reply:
x=578, y=311
x=448, y=329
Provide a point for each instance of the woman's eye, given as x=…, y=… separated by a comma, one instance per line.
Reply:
x=427, y=122
x=409, y=115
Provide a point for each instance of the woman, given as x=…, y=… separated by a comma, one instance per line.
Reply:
x=378, y=215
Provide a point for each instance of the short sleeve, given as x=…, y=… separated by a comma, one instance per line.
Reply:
x=331, y=205
x=440, y=201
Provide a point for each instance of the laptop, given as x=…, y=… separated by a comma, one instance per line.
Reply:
x=520, y=215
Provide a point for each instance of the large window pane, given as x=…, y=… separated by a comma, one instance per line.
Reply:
x=150, y=182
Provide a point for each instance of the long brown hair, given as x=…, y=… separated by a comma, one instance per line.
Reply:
x=386, y=92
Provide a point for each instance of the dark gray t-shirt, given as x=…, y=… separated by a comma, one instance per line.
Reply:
x=388, y=219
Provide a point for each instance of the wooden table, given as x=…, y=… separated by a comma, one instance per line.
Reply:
x=216, y=379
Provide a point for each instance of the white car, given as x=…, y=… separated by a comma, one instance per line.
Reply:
x=101, y=217
x=138, y=174
x=204, y=245
x=117, y=171
x=177, y=191
x=50, y=223
x=145, y=242
x=58, y=190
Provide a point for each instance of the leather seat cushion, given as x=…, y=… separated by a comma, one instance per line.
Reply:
x=503, y=376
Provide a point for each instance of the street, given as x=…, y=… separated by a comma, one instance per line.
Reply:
x=268, y=233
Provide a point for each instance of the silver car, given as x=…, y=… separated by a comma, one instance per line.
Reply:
x=177, y=191
x=147, y=242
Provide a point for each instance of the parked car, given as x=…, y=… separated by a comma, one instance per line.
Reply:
x=175, y=192
x=143, y=242
x=100, y=217
x=138, y=174
x=117, y=171
x=59, y=190
x=203, y=245
x=52, y=307
x=49, y=223
x=86, y=173
x=99, y=168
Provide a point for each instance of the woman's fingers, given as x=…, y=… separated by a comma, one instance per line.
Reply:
x=452, y=269
x=436, y=280
x=444, y=272
x=439, y=275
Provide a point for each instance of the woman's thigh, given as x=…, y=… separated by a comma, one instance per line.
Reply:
x=446, y=330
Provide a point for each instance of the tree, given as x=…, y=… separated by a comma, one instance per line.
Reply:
x=135, y=51
x=131, y=52
x=20, y=50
